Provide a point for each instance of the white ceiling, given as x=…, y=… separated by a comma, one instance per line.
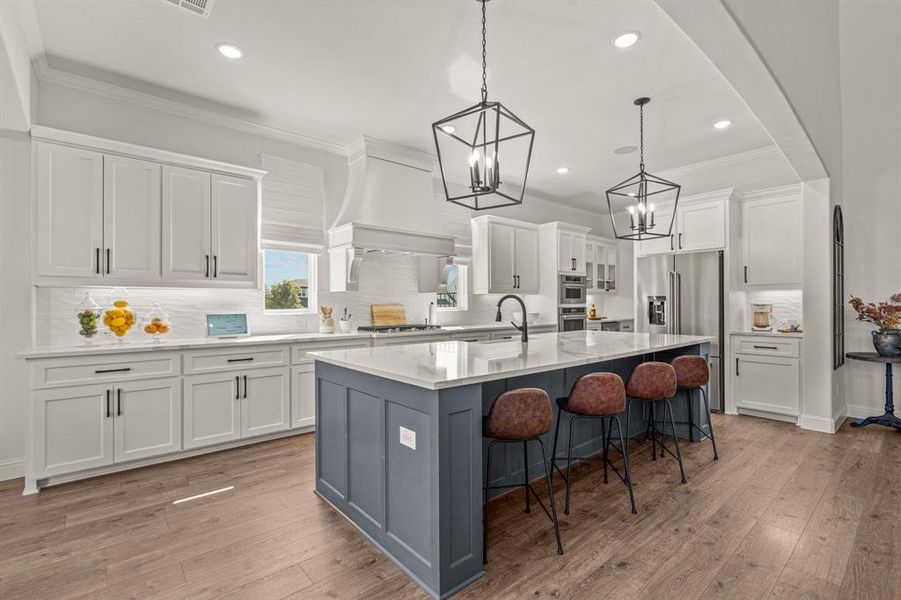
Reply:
x=337, y=69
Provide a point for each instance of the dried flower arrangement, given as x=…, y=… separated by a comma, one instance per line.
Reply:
x=885, y=315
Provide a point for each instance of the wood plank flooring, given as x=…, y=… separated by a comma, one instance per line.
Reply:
x=784, y=513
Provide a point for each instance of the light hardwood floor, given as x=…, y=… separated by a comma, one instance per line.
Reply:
x=785, y=513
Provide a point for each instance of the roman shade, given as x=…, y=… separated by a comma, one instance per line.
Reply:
x=292, y=204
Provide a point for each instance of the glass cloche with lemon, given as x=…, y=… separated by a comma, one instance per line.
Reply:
x=120, y=317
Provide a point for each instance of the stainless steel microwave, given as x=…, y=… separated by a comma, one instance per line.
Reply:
x=572, y=289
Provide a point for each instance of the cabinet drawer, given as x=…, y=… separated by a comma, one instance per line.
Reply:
x=299, y=352
x=212, y=361
x=767, y=346
x=55, y=372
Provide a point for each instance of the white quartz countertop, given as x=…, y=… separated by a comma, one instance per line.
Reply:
x=447, y=364
x=772, y=334
x=137, y=344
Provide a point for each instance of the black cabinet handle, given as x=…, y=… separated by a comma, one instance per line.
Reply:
x=107, y=260
x=119, y=401
x=107, y=404
x=514, y=282
x=237, y=387
x=766, y=347
x=680, y=240
x=97, y=256
x=122, y=370
x=207, y=272
x=736, y=367
x=245, y=386
x=574, y=263
x=671, y=236
x=248, y=359
x=215, y=265
x=746, y=273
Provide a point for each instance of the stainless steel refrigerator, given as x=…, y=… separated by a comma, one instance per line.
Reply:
x=684, y=294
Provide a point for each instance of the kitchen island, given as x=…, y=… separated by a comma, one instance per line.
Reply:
x=399, y=448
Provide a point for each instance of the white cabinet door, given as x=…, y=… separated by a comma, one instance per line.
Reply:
x=578, y=252
x=148, y=418
x=662, y=245
x=212, y=409
x=526, y=267
x=502, y=257
x=266, y=399
x=772, y=241
x=131, y=219
x=186, y=224
x=565, y=255
x=592, y=268
x=767, y=383
x=235, y=228
x=303, y=396
x=701, y=227
x=73, y=429
x=69, y=211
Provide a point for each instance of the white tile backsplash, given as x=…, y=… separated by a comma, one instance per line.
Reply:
x=786, y=305
x=384, y=278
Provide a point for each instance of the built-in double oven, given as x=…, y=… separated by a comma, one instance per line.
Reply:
x=571, y=303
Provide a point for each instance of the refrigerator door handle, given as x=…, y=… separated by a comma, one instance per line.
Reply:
x=679, y=300
x=671, y=310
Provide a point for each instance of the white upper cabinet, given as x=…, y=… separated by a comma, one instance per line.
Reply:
x=131, y=219
x=69, y=212
x=571, y=252
x=771, y=238
x=600, y=265
x=186, y=224
x=701, y=226
x=505, y=256
x=235, y=228
x=117, y=213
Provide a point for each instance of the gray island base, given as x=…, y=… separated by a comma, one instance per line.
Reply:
x=399, y=448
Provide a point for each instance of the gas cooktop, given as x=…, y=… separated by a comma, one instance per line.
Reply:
x=397, y=328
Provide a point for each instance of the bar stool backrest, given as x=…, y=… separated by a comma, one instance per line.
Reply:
x=597, y=394
x=691, y=371
x=652, y=381
x=519, y=415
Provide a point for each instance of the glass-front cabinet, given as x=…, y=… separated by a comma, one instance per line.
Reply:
x=600, y=265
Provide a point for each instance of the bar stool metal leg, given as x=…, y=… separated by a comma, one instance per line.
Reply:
x=672, y=421
x=569, y=456
x=606, y=424
x=554, y=451
x=550, y=491
x=626, y=476
x=525, y=468
x=709, y=423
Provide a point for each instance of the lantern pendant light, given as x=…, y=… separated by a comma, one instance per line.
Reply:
x=634, y=202
x=471, y=143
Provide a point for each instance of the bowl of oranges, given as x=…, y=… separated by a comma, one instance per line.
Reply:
x=157, y=323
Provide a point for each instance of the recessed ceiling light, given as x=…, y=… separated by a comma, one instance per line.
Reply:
x=626, y=39
x=563, y=170
x=626, y=150
x=448, y=129
x=722, y=124
x=229, y=51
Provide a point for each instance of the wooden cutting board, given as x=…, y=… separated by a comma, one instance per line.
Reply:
x=388, y=314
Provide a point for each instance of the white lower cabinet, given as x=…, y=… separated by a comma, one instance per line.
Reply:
x=764, y=380
x=303, y=395
x=265, y=401
x=147, y=418
x=212, y=409
x=72, y=429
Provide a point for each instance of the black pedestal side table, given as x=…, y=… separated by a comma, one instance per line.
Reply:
x=888, y=419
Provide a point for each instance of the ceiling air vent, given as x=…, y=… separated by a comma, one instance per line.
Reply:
x=201, y=8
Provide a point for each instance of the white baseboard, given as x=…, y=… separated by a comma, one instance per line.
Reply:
x=12, y=469
x=821, y=424
x=858, y=411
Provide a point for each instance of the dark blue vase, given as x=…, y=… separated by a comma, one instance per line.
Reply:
x=887, y=342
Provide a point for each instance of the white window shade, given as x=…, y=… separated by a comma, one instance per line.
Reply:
x=293, y=204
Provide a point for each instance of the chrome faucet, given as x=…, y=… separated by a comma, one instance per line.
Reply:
x=525, y=325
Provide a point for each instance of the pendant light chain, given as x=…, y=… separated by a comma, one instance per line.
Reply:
x=484, y=57
x=641, y=134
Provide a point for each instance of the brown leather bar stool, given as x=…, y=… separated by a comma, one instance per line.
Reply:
x=652, y=383
x=519, y=416
x=594, y=396
x=693, y=373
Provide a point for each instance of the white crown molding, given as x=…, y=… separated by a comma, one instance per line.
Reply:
x=722, y=162
x=792, y=189
x=45, y=73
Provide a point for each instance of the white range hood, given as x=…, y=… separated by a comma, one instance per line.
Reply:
x=390, y=207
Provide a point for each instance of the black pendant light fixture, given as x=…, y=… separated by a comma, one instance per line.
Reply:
x=633, y=202
x=471, y=144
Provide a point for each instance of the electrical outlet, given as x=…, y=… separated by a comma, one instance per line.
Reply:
x=408, y=438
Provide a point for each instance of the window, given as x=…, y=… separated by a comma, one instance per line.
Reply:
x=838, y=288
x=456, y=295
x=290, y=281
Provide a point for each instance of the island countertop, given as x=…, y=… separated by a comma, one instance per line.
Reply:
x=447, y=364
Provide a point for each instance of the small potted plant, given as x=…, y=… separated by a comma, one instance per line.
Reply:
x=886, y=316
